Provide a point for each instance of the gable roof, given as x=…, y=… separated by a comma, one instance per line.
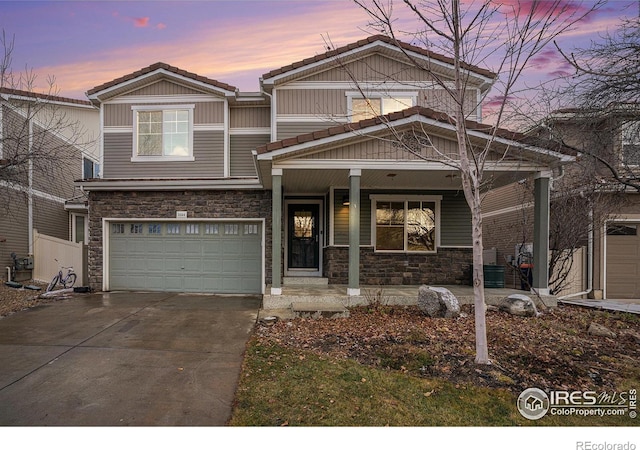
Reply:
x=159, y=67
x=371, y=40
x=438, y=119
x=29, y=95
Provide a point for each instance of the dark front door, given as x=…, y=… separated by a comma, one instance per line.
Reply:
x=304, y=243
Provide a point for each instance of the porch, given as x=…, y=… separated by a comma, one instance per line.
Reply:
x=315, y=291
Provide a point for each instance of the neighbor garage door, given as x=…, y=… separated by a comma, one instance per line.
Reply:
x=623, y=260
x=215, y=257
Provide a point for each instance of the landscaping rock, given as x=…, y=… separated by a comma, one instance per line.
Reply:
x=519, y=305
x=438, y=302
x=596, y=329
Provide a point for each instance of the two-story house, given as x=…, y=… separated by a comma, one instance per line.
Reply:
x=46, y=143
x=208, y=189
x=607, y=145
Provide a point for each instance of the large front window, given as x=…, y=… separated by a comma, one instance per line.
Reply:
x=163, y=133
x=376, y=105
x=406, y=225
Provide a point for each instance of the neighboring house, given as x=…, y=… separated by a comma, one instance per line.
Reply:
x=46, y=143
x=606, y=142
x=208, y=189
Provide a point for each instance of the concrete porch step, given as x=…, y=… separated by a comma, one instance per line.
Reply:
x=316, y=310
x=305, y=281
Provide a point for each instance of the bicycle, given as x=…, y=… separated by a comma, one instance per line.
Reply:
x=67, y=280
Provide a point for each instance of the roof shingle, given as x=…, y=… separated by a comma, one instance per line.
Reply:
x=167, y=67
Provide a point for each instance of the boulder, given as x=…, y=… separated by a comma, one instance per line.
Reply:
x=596, y=329
x=519, y=305
x=438, y=302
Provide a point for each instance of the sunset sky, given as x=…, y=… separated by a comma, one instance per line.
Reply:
x=86, y=43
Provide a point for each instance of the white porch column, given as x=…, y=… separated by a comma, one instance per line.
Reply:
x=541, y=210
x=354, y=232
x=276, y=232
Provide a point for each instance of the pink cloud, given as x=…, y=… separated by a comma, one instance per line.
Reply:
x=140, y=22
x=540, y=8
x=161, y=26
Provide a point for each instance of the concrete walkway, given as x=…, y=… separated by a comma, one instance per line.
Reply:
x=630, y=306
x=124, y=359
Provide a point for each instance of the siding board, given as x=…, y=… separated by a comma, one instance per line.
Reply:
x=204, y=113
x=208, y=150
x=242, y=164
x=250, y=117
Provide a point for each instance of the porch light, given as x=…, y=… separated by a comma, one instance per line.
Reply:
x=345, y=200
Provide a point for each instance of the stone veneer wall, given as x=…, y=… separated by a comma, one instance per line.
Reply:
x=250, y=204
x=450, y=266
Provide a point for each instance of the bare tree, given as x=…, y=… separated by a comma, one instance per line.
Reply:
x=38, y=138
x=602, y=102
x=476, y=33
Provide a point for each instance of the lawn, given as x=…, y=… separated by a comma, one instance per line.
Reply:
x=392, y=366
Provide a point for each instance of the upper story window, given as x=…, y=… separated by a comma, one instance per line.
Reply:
x=406, y=224
x=90, y=169
x=631, y=143
x=377, y=104
x=163, y=133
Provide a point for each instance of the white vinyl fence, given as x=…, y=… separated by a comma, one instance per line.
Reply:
x=48, y=249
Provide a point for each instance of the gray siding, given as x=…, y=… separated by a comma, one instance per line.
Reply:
x=163, y=87
x=55, y=173
x=250, y=117
x=374, y=67
x=50, y=218
x=13, y=226
x=204, y=113
x=242, y=164
x=291, y=129
x=455, y=218
x=312, y=102
x=208, y=150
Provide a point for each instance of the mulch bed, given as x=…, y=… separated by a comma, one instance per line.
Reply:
x=552, y=351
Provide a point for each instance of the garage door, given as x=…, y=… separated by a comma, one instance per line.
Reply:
x=213, y=257
x=623, y=260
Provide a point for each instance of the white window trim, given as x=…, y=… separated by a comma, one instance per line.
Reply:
x=377, y=94
x=95, y=163
x=134, y=155
x=437, y=199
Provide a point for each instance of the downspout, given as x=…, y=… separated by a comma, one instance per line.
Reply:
x=589, y=263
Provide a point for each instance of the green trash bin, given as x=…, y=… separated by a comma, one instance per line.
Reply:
x=493, y=276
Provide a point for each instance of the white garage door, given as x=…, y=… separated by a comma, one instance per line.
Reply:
x=623, y=260
x=212, y=257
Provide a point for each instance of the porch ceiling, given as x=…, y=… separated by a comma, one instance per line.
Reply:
x=318, y=181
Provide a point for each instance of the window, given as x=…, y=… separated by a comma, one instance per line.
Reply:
x=211, y=228
x=161, y=134
x=155, y=228
x=173, y=228
x=250, y=228
x=406, y=225
x=136, y=228
x=622, y=229
x=192, y=228
x=90, y=169
x=231, y=228
x=375, y=105
x=117, y=228
x=631, y=143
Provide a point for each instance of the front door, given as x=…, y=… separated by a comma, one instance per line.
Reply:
x=303, y=244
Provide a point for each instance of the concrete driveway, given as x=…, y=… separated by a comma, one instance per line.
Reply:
x=124, y=359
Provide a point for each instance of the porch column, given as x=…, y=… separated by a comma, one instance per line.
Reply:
x=354, y=232
x=541, y=233
x=276, y=232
